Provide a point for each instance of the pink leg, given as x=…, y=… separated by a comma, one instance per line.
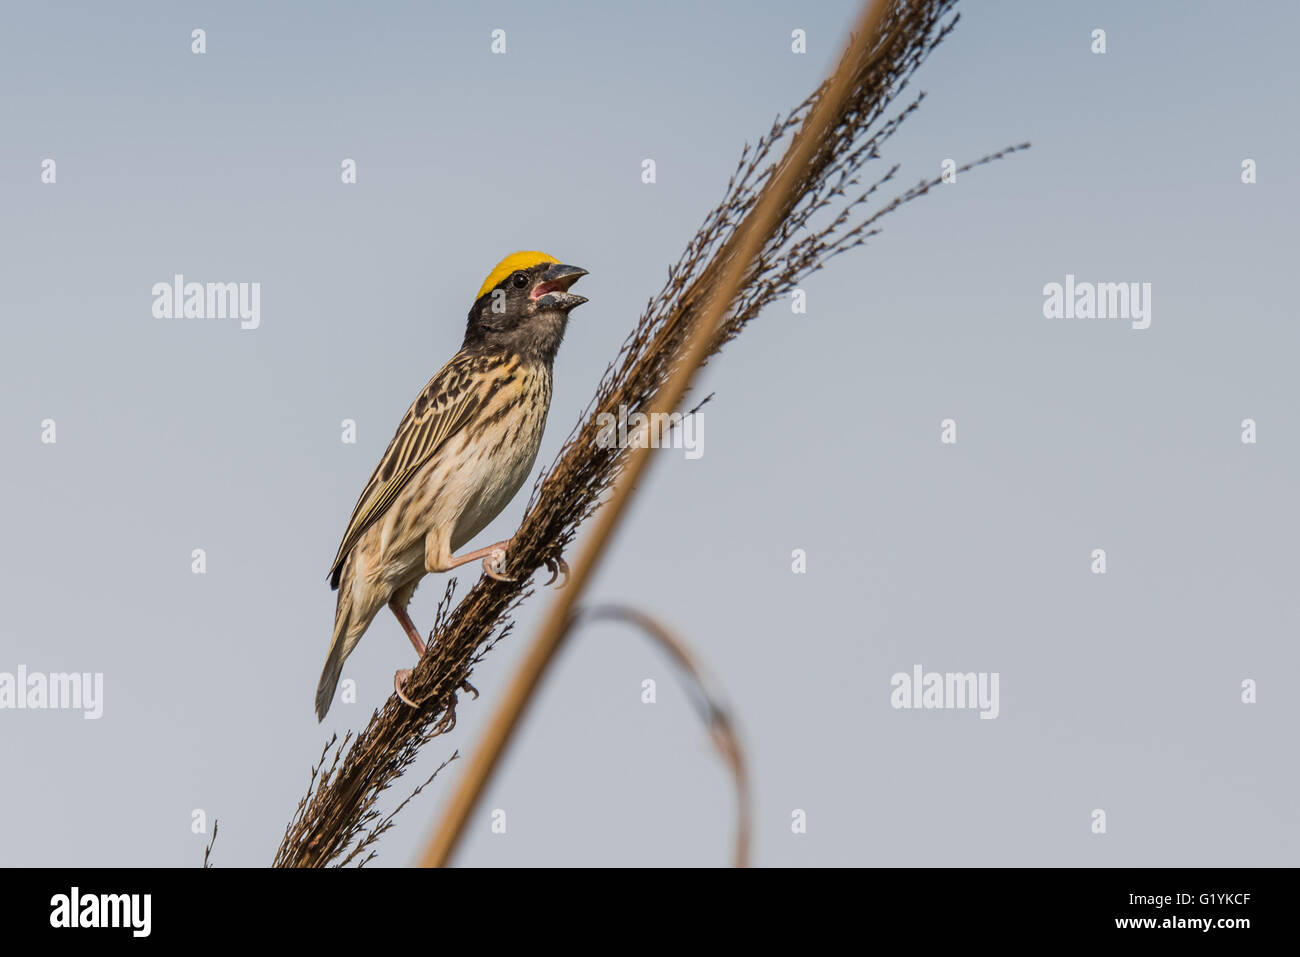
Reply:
x=492, y=555
x=408, y=626
x=399, y=679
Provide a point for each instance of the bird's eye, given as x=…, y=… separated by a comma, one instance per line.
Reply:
x=519, y=280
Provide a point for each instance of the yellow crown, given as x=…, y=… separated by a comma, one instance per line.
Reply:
x=521, y=260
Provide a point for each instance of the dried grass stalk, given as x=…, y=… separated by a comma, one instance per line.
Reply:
x=708, y=702
x=212, y=842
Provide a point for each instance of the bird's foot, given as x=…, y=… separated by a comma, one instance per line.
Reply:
x=466, y=686
x=494, y=565
x=399, y=679
x=557, y=566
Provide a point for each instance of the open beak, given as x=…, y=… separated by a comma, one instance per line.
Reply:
x=553, y=291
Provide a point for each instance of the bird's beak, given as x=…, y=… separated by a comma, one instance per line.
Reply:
x=553, y=291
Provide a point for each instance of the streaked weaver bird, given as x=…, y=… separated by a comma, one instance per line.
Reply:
x=461, y=452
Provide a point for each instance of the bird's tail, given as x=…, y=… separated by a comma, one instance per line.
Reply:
x=338, y=653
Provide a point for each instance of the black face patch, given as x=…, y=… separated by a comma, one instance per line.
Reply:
x=508, y=318
x=509, y=303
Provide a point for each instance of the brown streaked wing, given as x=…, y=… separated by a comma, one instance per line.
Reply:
x=443, y=408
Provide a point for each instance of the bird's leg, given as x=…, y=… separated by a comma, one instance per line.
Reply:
x=436, y=560
x=408, y=626
x=493, y=556
x=399, y=679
